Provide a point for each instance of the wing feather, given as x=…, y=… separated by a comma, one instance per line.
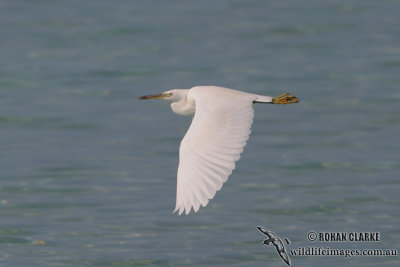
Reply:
x=213, y=143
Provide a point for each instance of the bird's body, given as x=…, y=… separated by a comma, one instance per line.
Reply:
x=274, y=240
x=186, y=104
x=215, y=139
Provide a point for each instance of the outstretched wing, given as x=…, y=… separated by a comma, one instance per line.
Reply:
x=266, y=232
x=284, y=256
x=213, y=143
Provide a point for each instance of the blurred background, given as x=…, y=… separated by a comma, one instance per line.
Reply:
x=88, y=173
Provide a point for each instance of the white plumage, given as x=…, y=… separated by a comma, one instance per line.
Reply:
x=215, y=139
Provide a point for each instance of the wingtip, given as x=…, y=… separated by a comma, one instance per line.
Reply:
x=262, y=229
x=287, y=260
x=182, y=210
x=177, y=209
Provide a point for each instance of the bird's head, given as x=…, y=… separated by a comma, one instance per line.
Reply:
x=171, y=95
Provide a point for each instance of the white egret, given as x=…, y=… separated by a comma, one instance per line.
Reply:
x=219, y=131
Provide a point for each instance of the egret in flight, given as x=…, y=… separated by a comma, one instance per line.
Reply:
x=220, y=128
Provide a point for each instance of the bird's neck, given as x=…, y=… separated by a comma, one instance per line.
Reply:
x=184, y=106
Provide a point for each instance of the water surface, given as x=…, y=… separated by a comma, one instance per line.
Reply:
x=88, y=173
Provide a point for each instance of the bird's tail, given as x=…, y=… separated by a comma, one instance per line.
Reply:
x=263, y=99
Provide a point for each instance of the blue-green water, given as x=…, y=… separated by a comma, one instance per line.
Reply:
x=88, y=173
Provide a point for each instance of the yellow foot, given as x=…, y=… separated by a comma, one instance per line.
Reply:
x=285, y=99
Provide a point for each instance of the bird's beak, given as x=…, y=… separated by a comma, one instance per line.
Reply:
x=158, y=96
